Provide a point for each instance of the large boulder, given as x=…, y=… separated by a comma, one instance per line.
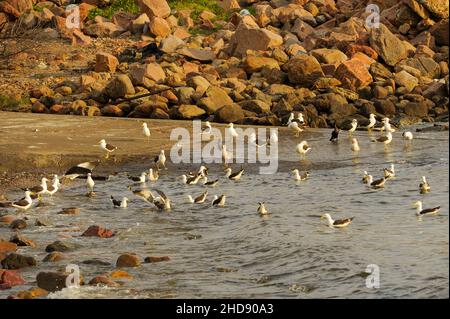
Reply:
x=353, y=74
x=304, y=69
x=416, y=109
x=405, y=79
x=17, y=261
x=128, y=260
x=154, y=8
x=248, y=37
x=159, y=27
x=60, y=246
x=187, y=112
x=439, y=8
x=232, y=113
x=153, y=71
x=256, y=106
x=10, y=278
x=329, y=56
x=119, y=87
x=215, y=99
x=105, y=62
x=427, y=66
x=97, y=231
x=53, y=281
x=387, y=45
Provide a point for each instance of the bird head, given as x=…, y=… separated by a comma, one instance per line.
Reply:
x=325, y=216
x=417, y=204
x=101, y=141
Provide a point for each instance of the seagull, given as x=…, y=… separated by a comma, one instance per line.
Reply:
x=290, y=119
x=424, y=186
x=372, y=121
x=407, y=136
x=294, y=127
x=303, y=148
x=355, y=145
x=207, y=128
x=231, y=130
x=300, y=119
x=211, y=183
x=162, y=202
x=199, y=199
x=386, y=139
x=225, y=155
x=234, y=176
x=389, y=172
x=53, y=188
x=219, y=200
x=354, y=126
x=119, y=204
x=81, y=169
x=90, y=183
x=203, y=171
x=254, y=140
x=365, y=178
x=24, y=203
x=300, y=177
x=107, y=147
x=139, y=179
x=146, y=131
x=145, y=195
x=387, y=125
x=335, y=134
x=152, y=175
x=340, y=223
x=273, y=139
x=262, y=210
x=379, y=183
x=427, y=211
x=160, y=160
x=41, y=189
x=191, y=180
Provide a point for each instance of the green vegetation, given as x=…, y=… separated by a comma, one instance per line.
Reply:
x=197, y=6
x=116, y=6
x=8, y=103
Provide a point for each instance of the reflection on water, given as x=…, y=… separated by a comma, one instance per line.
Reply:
x=233, y=252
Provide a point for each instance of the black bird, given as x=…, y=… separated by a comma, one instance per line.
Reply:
x=335, y=134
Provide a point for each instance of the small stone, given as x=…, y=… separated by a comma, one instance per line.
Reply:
x=156, y=259
x=128, y=260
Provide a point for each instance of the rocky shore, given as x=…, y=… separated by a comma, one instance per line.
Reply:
x=253, y=63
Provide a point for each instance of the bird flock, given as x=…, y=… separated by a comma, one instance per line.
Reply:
x=158, y=199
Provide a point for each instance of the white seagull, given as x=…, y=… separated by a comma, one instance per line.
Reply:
x=90, y=183
x=108, y=148
x=299, y=176
x=207, y=128
x=372, y=121
x=160, y=160
x=294, y=127
x=234, y=176
x=231, y=130
x=262, y=210
x=424, y=186
x=354, y=125
x=407, y=136
x=152, y=175
x=427, y=211
x=303, y=148
x=119, y=204
x=219, y=200
x=146, y=131
x=389, y=172
x=24, y=203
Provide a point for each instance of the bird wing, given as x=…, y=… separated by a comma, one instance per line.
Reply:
x=430, y=210
x=110, y=147
x=382, y=139
x=145, y=194
x=115, y=201
x=161, y=193
x=88, y=165
x=21, y=202
x=343, y=221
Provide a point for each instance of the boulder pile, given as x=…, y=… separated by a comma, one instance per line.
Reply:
x=332, y=60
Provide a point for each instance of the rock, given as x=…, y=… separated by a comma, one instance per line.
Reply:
x=439, y=8
x=138, y=24
x=119, y=87
x=329, y=56
x=154, y=8
x=380, y=72
x=427, y=66
x=54, y=257
x=18, y=224
x=96, y=262
x=385, y=107
x=440, y=31
x=102, y=28
x=304, y=69
x=255, y=64
x=21, y=241
x=112, y=110
x=16, y=261
x=159, y=27
x=248, y=37
x=380, y=92
x=156, y=259
x=79, y=38
x=102, y=281
x=6, y=246
x=52, y=281
x=355, y=48
x=215, y=99
x=120, y=274
x=38, y=107
x=60, y=246
x=32, y=293
x=10, y=278
x=353, y=74
x=405, y=79
x=152, y=71
x=197, y=54
x=383, y=41
x=187, y=112
x=69, y=211
x=232, y=113
x=256, y=106
x=128, y=260
x=105, y=62
x=42, y=222
x=302, y=29
x=199, y=83
x=171, y=44
x=416, y=109
x=97, y=231
x=41, y=91
x=229, y=5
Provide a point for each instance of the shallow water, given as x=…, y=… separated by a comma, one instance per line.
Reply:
x=289, y=254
